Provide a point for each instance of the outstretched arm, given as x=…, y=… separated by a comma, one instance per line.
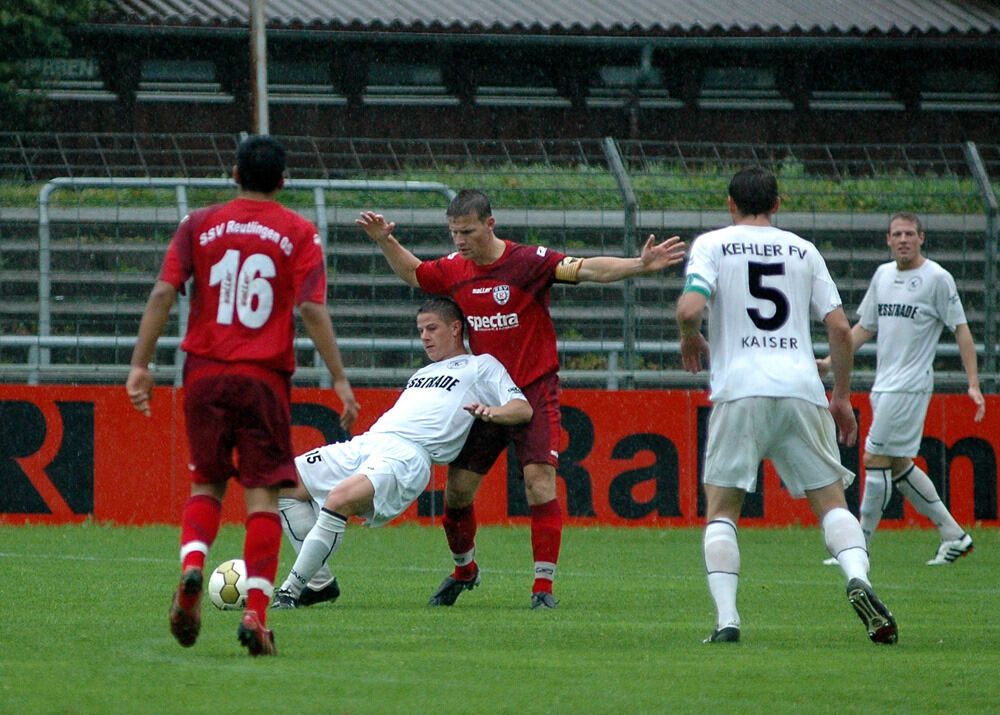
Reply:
x=139, y=384
x=514, y=412
x=841, y=338
x=967, y=351
x=654, y=257
x=318, y=325
x=401, y=261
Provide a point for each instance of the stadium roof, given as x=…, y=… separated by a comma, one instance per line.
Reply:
x=657, y=18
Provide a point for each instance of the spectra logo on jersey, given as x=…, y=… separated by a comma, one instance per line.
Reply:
x=497, y=321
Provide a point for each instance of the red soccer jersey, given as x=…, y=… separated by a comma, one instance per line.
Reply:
x=506, y=305
x=252, y=262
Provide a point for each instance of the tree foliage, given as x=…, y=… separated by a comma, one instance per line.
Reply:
x=31, y=29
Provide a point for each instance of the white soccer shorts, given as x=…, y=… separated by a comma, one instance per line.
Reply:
x=897, y=423
x=797, y=436
x=399, y=470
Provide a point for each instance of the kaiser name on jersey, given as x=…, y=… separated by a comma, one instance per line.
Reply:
x=769, y=341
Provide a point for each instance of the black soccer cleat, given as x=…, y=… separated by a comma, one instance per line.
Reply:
x=879, y=622
x=543, y=599
x=185, y=623
x=729, y=634
x=310, y=596
x=284, y=600
x=451, y=588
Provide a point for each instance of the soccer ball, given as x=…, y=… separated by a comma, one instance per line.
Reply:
x=227, y=587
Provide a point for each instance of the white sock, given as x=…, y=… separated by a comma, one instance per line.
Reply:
x=916, y=486
x=722, y=563
x=878, y=489
x=297, y=518
x=846, y=541
x=319, y=545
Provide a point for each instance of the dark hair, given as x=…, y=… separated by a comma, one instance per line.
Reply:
x=469, y=201
x=260, y=161
x=906, y=216
x=754, y=190
x=444, y=307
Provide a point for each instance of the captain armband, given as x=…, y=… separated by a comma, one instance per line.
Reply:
x=697, y=284
x=568, y=268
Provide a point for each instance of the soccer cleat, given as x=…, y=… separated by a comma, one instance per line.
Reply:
x=728, y=634
x=257, y=639
x=284, y=600
x=311, y=596
x=879, y=623
x=543, y=599
x=451, y=588
x=185, y=623
x=950, y=550
x=832, y=561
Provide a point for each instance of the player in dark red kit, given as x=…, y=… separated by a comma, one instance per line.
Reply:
x=503, y=289
x=252, y=262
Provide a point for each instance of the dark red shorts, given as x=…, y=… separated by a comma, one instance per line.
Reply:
x=534, y=443
x=242, y=413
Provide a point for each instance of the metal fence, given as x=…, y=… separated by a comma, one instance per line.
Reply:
x=77, y=265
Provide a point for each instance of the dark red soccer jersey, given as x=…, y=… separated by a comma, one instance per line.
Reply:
x=506, y=305
x=252, y=262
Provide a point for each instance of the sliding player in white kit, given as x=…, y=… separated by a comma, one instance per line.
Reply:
x=762, y=286
x=378, y=474
x=908, y=303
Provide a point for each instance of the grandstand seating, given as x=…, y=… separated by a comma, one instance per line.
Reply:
x=101, y=273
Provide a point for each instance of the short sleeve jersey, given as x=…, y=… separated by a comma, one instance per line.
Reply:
x=908, y=310
x=252, y=263
x=430, y=410
x=764, y=288
x=506, y=305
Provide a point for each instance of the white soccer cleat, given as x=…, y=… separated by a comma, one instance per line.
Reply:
x=950, y=550
x=832, y=561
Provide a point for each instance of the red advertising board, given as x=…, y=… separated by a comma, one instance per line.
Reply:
x=628, y=458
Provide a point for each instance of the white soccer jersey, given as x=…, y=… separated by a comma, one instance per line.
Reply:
x=429, y=411
x=907, y=310
x=765, y=286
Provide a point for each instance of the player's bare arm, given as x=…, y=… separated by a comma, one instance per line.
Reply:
x=401, y=261
x=654, y=257
x=513, y=413
x=841, y=339
x=859, y=336
x=967, y=352
x=318, y=325
x=694, y=347
x=139, y=384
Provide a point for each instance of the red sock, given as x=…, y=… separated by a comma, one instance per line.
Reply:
x=199, y=527
x=260, y=552
x=460, y=529
x=546, y=537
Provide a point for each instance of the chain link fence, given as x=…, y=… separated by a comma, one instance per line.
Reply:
x=582, y=197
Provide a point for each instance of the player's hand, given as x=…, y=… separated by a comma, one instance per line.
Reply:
x=351, y=407
x=693, y=348
x=977, y=396
x=847, y=423
x=823, y=366
x=139, y=386
x=657, y=256
x=375, y=225
x=479, y=411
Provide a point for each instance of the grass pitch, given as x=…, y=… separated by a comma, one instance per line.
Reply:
x=84, y=628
